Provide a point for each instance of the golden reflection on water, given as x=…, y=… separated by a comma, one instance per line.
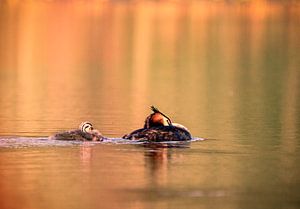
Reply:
x=64, y=62
x=228, y=71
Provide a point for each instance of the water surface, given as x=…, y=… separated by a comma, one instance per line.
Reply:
x=227, y=71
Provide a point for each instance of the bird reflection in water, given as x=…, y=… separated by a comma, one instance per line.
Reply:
x=157, y=157
x=85, y=156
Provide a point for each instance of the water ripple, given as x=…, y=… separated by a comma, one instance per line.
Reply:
x=24, y=142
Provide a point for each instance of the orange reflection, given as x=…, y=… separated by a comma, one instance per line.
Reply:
x=78, y=60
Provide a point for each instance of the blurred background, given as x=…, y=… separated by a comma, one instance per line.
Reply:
x=227, y=70
x=215, y=66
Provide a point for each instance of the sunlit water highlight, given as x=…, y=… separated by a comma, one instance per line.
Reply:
x=23, y=142
x=227, y=70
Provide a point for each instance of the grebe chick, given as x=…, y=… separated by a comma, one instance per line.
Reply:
x=86, y=132
x=158, y=127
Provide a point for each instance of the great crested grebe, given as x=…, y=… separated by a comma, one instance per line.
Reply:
x=86, y=132
x=158, y=128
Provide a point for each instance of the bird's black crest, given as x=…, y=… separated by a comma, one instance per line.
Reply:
x=155, y=110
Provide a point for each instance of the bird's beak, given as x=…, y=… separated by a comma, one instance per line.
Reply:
x=167, y=122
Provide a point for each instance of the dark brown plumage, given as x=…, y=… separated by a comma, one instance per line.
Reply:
x=158, y=127
x=159, y=134
x=78, y=135
x=86, y=132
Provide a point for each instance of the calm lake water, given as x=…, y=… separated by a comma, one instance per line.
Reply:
x=230, y=72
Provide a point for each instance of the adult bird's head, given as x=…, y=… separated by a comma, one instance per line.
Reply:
x=157, y=118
